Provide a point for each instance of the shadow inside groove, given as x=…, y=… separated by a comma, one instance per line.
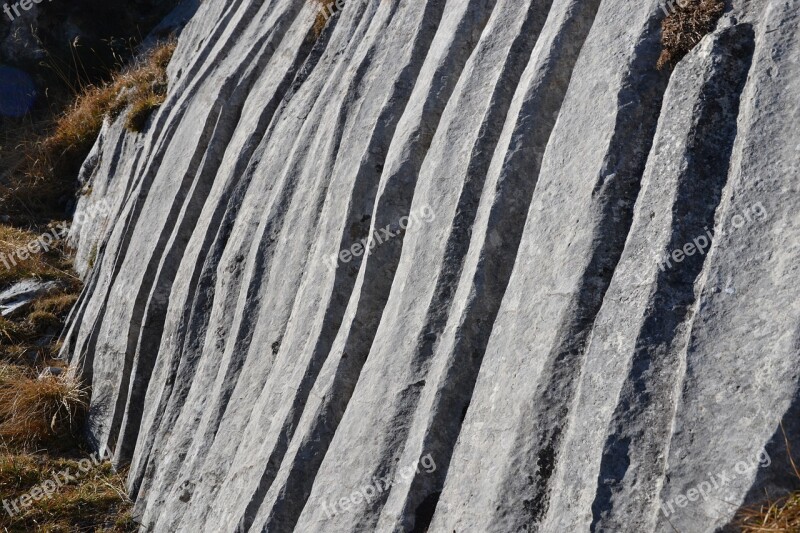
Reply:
x=699, y=192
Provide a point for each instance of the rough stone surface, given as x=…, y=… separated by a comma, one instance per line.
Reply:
x=20, y=295
x=590, y=324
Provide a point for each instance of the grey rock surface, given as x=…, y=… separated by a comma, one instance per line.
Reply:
x=50, y=371
x=21, y=294
x=590, y=322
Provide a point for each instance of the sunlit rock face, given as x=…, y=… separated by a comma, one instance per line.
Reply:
x=463, y=265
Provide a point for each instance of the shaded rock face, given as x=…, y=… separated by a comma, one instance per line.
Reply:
x=588, y=323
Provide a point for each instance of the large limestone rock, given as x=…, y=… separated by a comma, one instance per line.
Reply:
x=588, y=323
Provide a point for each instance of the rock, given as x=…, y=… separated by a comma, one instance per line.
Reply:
x=51, y=371
x=597, y=320
x=15, y=299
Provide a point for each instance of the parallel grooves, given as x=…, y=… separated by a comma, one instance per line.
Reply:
x=143, y=295
x=333, y=320
x=615, y=191
x=235, y=417
x=455, y=248
x=508, y=192
x=166, y=122
x=377, y=274
x=130, y=183
x=149, y=337
x=238, y=360
x=201, y=286
x=249, y=301
x=362, y=200
x=343, y=115
x=697, y=197
x=84, y=347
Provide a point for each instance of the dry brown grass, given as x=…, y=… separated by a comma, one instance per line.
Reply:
x=12, y=332
x=46, y=174
x=145, y=87
x=60, y=488
x=324, y=8
x=53, y=264
x=45, y=414
x=779, y=516
x=134, y=87
x=31, y=337
x=96, y=501
x=36, y=182
x=44, y=320
x=35, y=410
x=685, y=26
x=58, y=304
x=774, y=516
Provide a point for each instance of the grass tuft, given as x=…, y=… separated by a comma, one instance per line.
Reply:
x=142, y=108
x=12, y=332
x=779, y=516
x=44, y=320
x=58, y=304
x=53, y=264
x=685, y=26
x=35, y=410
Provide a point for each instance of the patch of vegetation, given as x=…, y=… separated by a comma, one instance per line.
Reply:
x=94, y=501
x=685, y=26
x=40, y=420
x=47, y=166
x=37, y=409
x=779, y=516
x=28, y=337
x=42, y=413
x=58, y=304
x=52, y=264
x=47, y=481
x=324, y=8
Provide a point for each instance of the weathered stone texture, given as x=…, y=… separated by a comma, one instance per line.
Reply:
x=537, y=338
